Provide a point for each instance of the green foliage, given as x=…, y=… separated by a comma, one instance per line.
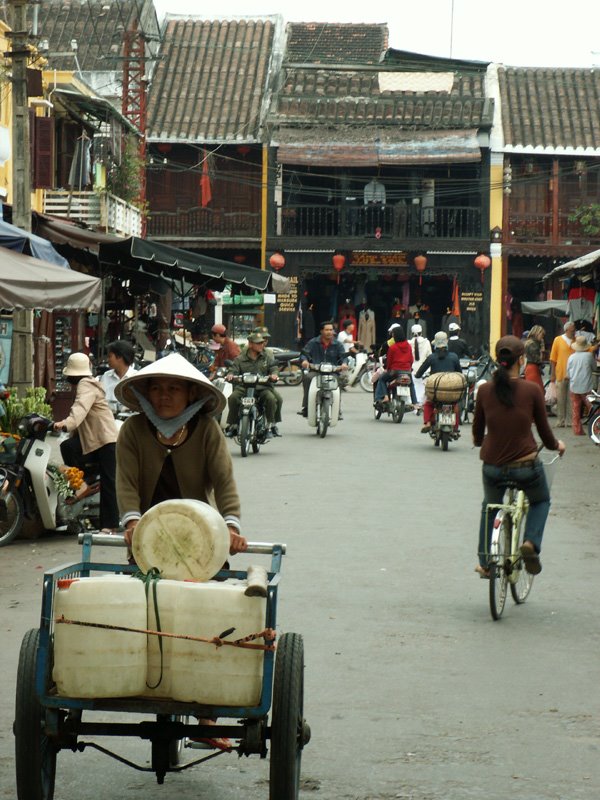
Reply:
x=125, y=179
x=588, y=217
x=16, y=407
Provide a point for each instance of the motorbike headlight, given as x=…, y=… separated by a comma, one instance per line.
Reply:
x=326, y=367
x=250, y=380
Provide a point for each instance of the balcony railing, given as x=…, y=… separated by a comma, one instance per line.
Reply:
x=400, y=221
x=204, y=223
x=98, y=210
x=538, y=229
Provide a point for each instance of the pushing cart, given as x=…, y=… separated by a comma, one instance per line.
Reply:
x=46, y=722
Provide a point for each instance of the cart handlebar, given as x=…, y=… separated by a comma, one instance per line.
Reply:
x=117, y=540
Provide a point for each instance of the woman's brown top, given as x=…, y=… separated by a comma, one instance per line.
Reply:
x=504, y=434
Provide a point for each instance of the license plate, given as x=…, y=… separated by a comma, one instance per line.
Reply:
x=447, y=419
x=247, y=401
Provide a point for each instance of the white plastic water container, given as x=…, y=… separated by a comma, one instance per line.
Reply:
x=96, y=662
x=196, y=671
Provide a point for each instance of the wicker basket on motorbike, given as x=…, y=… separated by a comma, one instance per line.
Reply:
x=445, y=387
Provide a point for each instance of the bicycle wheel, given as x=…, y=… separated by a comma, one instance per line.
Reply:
x=289, y=731
x=365, y=381
x=498, y=575
x=12, y=518
x=594, y=428
x=520, y=580
x=35, y=753
x=244, y=436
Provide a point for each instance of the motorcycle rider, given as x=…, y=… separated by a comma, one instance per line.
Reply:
x=399, y=358
x=455, y=343
x=253, y=359
x=441, y=360
x=346, y=338
x=228, y=349
x=323, y=349
x=120, y=356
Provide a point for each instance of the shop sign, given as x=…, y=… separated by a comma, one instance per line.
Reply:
x=471, y=301
x=255, y=299
x=378, y=260
x=288, y=301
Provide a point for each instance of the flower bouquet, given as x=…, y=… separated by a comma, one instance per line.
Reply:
x=67, y=480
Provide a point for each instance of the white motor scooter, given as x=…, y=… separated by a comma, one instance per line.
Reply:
x=226, y=387
x=28, y=488
x=324, y=398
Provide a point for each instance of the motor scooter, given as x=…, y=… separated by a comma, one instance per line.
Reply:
x=357, y=367
x=593, y=417
x=398, y=391
x=225, y=387
x=443, y=426
x=477, y=372
x=252, y=422
x=324, y=398
x=28, y=488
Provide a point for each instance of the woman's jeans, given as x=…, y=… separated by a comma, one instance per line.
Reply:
x=381, y=387
x=532, y=479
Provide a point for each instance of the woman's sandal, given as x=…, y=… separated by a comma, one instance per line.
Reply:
x=483, y=572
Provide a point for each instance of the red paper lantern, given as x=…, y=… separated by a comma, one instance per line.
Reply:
x=339, y=262
x=420, y=263
x=482, y=262
x=277, y=261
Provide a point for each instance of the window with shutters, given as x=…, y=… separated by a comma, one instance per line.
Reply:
x=44, y=153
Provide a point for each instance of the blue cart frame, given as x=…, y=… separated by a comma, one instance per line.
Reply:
x=46, y=723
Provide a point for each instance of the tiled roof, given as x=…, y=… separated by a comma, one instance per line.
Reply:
x=330, y=43
x=359, y=97
x=550, y=107
x=97, y=26
x=210, y=81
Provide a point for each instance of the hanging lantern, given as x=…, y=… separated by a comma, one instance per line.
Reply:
x=339, y=262
x=482, y=262
x=420, y=263
x=277, y=260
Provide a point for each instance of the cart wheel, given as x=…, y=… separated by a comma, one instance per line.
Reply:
x=35, y=754
x=289, y=731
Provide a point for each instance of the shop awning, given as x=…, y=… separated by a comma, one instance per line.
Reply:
x=419, y=147
x=21, y=241
x=545, y=308
x=27, y=282
x=172, y=263
x=577, y=266
x=62, y=231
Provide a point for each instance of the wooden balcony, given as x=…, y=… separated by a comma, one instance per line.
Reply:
x=100, y=211
x=529, y=229
x=204, y=223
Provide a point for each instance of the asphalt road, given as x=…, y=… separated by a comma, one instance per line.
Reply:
x=412, y=691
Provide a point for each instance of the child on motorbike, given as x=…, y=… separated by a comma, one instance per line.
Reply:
x=399, y=358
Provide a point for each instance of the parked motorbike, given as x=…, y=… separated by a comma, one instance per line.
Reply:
x=593, y=418
x=225, y=387
x=324, y=398
x=443, y=429
x=399, y=393
x=289, y=366
x=28, y=488
x=360, y=370
x=476, y=372
x=252, y=422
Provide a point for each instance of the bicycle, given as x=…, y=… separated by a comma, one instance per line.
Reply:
x=505, y=563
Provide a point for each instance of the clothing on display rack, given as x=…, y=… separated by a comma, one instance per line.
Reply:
x=366, y=328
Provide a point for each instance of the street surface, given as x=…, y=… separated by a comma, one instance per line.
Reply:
x=411, y=691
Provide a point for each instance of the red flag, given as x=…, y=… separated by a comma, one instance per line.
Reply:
x=205, y=182
x=455, y=298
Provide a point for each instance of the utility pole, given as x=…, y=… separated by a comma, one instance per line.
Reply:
x=22, y=339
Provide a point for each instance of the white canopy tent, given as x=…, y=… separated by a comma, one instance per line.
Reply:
x=27, y=282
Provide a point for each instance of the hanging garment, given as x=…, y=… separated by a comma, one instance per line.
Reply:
x=366, y=328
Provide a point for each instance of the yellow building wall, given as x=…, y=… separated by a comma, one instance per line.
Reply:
x=497, y=288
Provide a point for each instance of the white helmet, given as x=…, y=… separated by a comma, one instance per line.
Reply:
x=454, y=326
x=416, y=329
x=394, y=325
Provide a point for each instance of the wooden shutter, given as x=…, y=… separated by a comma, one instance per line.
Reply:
x=44, y=153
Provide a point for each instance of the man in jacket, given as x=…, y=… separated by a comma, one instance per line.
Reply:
x=441, y=360
x=257, y=362
x=456, y=344
x=228, y=350
x=323, y=349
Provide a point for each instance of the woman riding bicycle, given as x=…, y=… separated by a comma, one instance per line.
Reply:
x=507, y=406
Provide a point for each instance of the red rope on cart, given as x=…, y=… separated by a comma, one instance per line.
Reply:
x=268, y=634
